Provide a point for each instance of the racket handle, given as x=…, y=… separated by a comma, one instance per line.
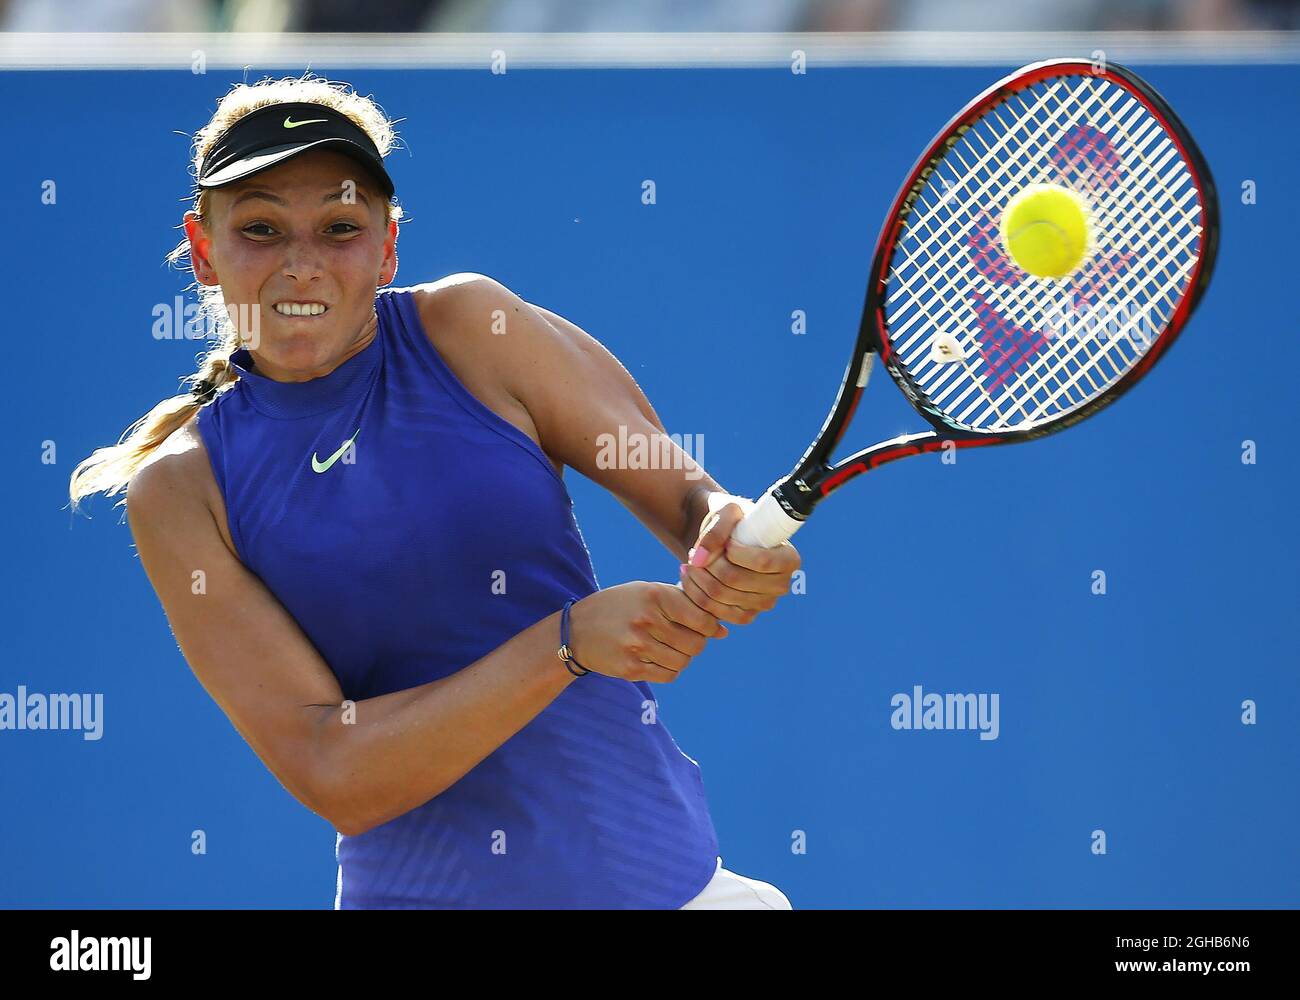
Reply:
x=766, y=525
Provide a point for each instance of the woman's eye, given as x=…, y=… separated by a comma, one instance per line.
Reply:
x=337, y=229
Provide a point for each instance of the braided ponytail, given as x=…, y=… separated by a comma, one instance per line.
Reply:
x=109, y=470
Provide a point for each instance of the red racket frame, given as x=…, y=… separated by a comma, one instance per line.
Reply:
x=814, y=477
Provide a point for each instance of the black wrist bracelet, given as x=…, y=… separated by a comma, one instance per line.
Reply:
x=564, y=652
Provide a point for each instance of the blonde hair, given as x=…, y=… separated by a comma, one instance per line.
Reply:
x=109, y=470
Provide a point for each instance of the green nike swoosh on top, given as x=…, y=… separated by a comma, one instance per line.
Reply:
x=289, y=123
x=318, y=466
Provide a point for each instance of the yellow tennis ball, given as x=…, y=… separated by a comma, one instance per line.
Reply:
x=1046, y=231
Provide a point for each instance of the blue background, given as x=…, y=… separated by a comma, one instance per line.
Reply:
x=1119, y=712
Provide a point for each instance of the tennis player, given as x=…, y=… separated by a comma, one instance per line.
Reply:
x=357, y=525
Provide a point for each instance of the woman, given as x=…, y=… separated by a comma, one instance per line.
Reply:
x=357, y=526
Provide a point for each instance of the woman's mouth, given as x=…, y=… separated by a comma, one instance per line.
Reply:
x=301, y=309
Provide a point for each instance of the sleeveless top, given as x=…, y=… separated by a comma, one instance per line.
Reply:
x=438, y=534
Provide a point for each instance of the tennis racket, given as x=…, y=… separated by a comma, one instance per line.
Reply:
x=986, y=352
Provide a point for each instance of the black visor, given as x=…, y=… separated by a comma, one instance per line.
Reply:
x=273, y=134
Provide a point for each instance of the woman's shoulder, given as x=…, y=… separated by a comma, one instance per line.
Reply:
x=453, y=284
x=461, y=315
x=479, y=329
x=176, y=480
x=444, y=302
x=180, y=456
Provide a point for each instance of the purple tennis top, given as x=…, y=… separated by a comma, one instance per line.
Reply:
x=441, y=532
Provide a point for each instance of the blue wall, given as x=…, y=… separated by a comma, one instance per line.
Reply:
x=1119, y=712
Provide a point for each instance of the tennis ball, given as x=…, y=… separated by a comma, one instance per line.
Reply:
x=1045, y=230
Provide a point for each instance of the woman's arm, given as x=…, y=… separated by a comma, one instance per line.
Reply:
x=672, y=506
x=581, y=398
x=361, y=765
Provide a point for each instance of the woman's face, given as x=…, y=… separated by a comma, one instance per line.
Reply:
x=309, y=232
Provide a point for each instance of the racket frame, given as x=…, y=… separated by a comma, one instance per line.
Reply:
x=814, y=477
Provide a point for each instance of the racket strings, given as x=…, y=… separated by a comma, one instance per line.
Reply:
x=983, y=314
x=1009, y=275
x=1097, y=351
x=993, y=187
x=1037, y=343
x=1030, y=347
x=1142, y=272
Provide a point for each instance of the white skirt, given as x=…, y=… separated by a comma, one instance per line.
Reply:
x=729, y=891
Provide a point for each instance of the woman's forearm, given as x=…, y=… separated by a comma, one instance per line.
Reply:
x=384, y=756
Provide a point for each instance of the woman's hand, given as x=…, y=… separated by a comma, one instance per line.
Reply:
x=734, y=582
x=640, y=631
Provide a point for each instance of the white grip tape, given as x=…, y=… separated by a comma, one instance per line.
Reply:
x=766, y=524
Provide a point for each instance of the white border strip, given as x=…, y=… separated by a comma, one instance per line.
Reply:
x=325, y=52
